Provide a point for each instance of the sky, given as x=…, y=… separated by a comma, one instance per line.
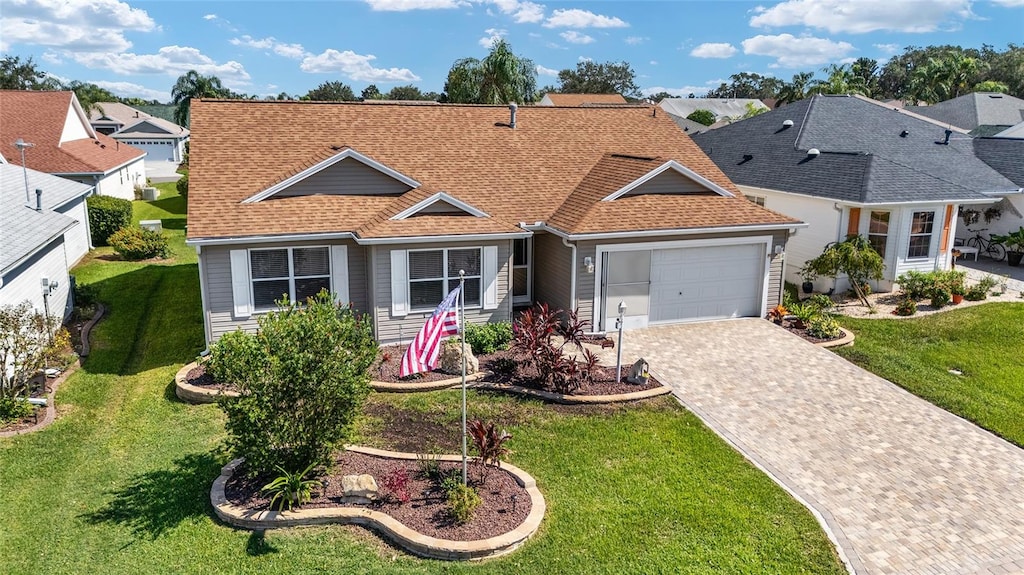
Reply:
x=138, y=48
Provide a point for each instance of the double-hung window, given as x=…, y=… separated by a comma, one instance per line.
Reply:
x=921, y=234
x=298, y=273
x=878, y=231
x=434, y=273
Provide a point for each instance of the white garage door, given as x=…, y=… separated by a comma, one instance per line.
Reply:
x=706, y=282
x=155, y=151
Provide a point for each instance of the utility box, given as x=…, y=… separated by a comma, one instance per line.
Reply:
x=150, y=194
x=152, y=225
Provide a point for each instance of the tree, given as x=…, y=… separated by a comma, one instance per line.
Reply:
x=371, y=92
x=853, y=257
x=409, y=92
x=705, y=117
x=840, y=80
x=90, y=95
x=593, y=78
x=27, y=345
x=331, y=92
x=190, y=85
x=302, y=379
x=18, y=75
x=500, y=78
x=661, y=96
x=867, y=69
x=991, y=86
x=748, y=85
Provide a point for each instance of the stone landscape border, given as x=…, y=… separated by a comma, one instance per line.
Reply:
x=388, y=387
x=193, y=393
x=846, y=339
x=406, y=538
x=473, y=381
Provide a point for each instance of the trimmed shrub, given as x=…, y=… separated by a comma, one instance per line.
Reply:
x=941, y=297
x=138, y=244
x=907, y=306
x=489, y=337
x=462, y=502
x=182, y=185
x=107, y=215
x=976, y=293
x=235, y=357
x=824, y=327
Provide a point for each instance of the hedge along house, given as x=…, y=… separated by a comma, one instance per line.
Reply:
x=384, y=204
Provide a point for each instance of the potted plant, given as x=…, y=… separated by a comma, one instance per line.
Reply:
x=1014, y=243
x=957, y=293
x=808, y=280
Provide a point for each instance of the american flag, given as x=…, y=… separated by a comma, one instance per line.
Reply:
x=424, y=350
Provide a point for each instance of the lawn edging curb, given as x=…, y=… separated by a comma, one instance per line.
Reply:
x=193, y=393
x=576, y=399
x=406, y=538
x=846, y=339
x=387, y=387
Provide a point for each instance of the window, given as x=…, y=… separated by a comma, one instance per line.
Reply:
x=521, y=269
x=297, y=272
x=434, y=273
x=878, y=231
x=759, y=200
x=921, y=234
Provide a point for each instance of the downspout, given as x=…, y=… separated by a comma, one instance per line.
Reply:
x=207, y=329
x=572, y=274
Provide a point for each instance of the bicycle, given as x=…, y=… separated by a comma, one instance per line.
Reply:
x=994, y=250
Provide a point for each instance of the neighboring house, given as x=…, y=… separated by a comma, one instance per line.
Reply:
x=163, y=141
x=1015, y=131
x=576, y=100
x=65, y=144
x=385, y=204
x=41, y=236
x=980, y=113
x=1006, y=156
x=851, y=165
x=726, y=111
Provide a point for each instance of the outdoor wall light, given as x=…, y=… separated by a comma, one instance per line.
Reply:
x=588, y=262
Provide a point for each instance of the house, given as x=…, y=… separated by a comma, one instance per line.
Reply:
x=575, y=100
x=163, y=141
x=980, y=113
x=42, y=235
x=1015, y=131
x=850, y=165
x=384, y=204
x=1006, y=156
x=726, y=110
x=63, y=143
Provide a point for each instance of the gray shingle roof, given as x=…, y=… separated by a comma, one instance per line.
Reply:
x=1005, y=155
x=865, y=156
x=23, y=231
x=976, y=110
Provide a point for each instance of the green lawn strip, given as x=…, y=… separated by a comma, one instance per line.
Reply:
x=120, y=483
x=983, y=342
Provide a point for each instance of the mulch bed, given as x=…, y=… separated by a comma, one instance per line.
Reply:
x=26, y=422
x=198, y=377
x=790, y=326
x=386, y=369
x=504, y=504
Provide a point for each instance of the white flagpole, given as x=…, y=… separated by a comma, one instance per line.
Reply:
x=462, y=337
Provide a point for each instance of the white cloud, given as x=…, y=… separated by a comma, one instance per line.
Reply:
x=407, y=5
x=546, y=71
x=1010, y=3
x=714, y=50
x=887, y=49
x=169, y=60
x=792, y=52
x=99, y=25
x=654, y=62
x=576, y=18
x=521, y=12
x=866, y=15
x=574, y=37
x=133, y=90
x=635, y=40
x=293, y=51
x=493, y=35
x=584, y=59
x=210, y=17
x=681, y=92
x=52, y=58
x=355, y=66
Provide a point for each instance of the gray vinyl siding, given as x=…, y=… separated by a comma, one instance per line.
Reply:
x=347, y=177
x=670, y=182
x=217, y=284
x=588, y=248
x=551, y=271
x=402, y=329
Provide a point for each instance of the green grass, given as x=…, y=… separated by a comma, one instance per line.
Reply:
x=120, y=483
x=983, y=342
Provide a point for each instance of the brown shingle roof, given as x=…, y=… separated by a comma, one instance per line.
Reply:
x=38, y=118
x=574, y=100
x=526, y=174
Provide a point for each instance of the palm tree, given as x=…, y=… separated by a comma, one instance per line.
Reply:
x=841, y=80
x=500, y=78
x=190, y=85
x=797, y=89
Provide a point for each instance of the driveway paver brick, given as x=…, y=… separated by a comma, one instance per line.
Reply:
x=902, y=485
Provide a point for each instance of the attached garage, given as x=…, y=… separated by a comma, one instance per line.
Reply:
x=683, y=281
x=156, y=150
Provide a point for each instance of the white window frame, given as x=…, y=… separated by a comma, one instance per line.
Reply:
x=759, y=200
x=888, y=232
x=528, y=298
x=291, y=273
x=911, y=235
x=448, y=285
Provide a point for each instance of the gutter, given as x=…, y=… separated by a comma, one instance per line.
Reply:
x=356, y=239
x=673, y=232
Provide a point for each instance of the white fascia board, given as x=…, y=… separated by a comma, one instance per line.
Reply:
x=198, y=242
x=683, y=231
x=82, y=116
x=674, y=165
x=106, y=173
x=347, y=153
x=439, y=197
x=443, y=239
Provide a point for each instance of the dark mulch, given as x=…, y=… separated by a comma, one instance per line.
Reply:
x=504, y=505
x=37, y=415
x=604, y=384
x=790, y=326
x=199, y=377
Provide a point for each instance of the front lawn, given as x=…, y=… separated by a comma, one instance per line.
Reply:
x=985, y=343
x=120, y=483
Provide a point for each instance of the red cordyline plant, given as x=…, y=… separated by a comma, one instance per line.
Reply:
x=533, y=338
x=489, y=444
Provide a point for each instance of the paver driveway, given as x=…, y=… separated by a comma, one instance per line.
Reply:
x=904, y=486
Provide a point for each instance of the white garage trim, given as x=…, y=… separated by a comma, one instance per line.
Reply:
x=602, y=249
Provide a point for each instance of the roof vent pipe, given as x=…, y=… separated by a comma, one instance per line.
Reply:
x=948, y=134
x=39, y=200
x=512, y=115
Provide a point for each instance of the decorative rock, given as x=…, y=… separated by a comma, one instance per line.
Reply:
x=451, y=358
x=359, y=488
x=638, y=374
